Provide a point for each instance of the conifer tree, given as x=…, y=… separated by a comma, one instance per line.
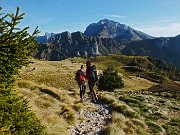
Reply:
x=16, y=45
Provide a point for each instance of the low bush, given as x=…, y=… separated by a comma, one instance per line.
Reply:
x=110, y=80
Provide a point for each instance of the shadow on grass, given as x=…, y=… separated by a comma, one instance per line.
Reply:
x=49, y=92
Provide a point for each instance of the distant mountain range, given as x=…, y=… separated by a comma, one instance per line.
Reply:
x=166, y=49
x=67, y=44
x=108, y=37
x=106, y=29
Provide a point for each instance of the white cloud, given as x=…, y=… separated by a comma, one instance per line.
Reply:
x=161, y=30
x=115, y=16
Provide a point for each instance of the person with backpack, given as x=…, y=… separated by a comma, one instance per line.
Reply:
x=91, y=75
x=80, y=79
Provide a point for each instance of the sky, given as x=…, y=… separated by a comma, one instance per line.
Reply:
x=159, y=18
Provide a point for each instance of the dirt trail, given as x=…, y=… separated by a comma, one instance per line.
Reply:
x=94, y=120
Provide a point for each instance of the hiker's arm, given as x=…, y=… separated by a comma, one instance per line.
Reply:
x=87, y=75
x=83, y=75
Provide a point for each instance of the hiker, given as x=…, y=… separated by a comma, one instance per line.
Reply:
x=80, y=78
x=91, y=75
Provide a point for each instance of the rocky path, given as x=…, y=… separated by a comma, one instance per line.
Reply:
x=93, y=120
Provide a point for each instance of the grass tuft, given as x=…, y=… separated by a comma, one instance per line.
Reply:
x=113, y=129
x=69, y=114
x=154, y=127
x=124, y=109
x=139, y=123
x=107, y=98
x=78, y=107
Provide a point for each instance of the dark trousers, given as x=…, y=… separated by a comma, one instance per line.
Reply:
x=82, y=88
x=91, y=88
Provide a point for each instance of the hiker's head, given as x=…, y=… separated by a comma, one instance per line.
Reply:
x=88, y=64
x=82, y=67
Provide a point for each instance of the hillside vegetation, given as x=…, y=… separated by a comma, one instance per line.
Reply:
x=141, y=107
x=145, y=67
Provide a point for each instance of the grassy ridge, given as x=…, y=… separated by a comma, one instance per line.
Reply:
x=145, y=67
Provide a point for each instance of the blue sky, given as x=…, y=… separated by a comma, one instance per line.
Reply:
x=154, y=17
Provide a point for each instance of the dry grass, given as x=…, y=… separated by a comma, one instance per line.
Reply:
x=78, y=106
x=121, y=125
x=54, y=97
x=53, y=93
x=118, y=106
x=133, y=83
x=47, y=109
x=59, y=74
x=107, y=97
x=124, y=109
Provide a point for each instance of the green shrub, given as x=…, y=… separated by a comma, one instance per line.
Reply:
x=110, y=80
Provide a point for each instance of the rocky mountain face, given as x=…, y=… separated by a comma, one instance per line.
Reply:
x=67, y=44
x=110, y=29
x=108, y=37
x=165, y=48
x=45, y=38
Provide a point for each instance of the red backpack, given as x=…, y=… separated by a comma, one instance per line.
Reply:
x=79, y=77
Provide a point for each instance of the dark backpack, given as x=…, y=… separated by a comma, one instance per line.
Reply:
x=93, y=74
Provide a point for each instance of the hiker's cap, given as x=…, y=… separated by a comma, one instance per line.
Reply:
x=82, y=66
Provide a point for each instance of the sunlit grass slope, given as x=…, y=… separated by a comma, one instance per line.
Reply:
x=54, y=97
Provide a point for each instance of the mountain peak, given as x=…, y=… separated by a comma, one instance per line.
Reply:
x=106, y=28
x=104, y=21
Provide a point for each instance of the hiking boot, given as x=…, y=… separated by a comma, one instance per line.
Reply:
x=93, y=100
x=82, y=100
x=96, y=98
x=89, y=94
